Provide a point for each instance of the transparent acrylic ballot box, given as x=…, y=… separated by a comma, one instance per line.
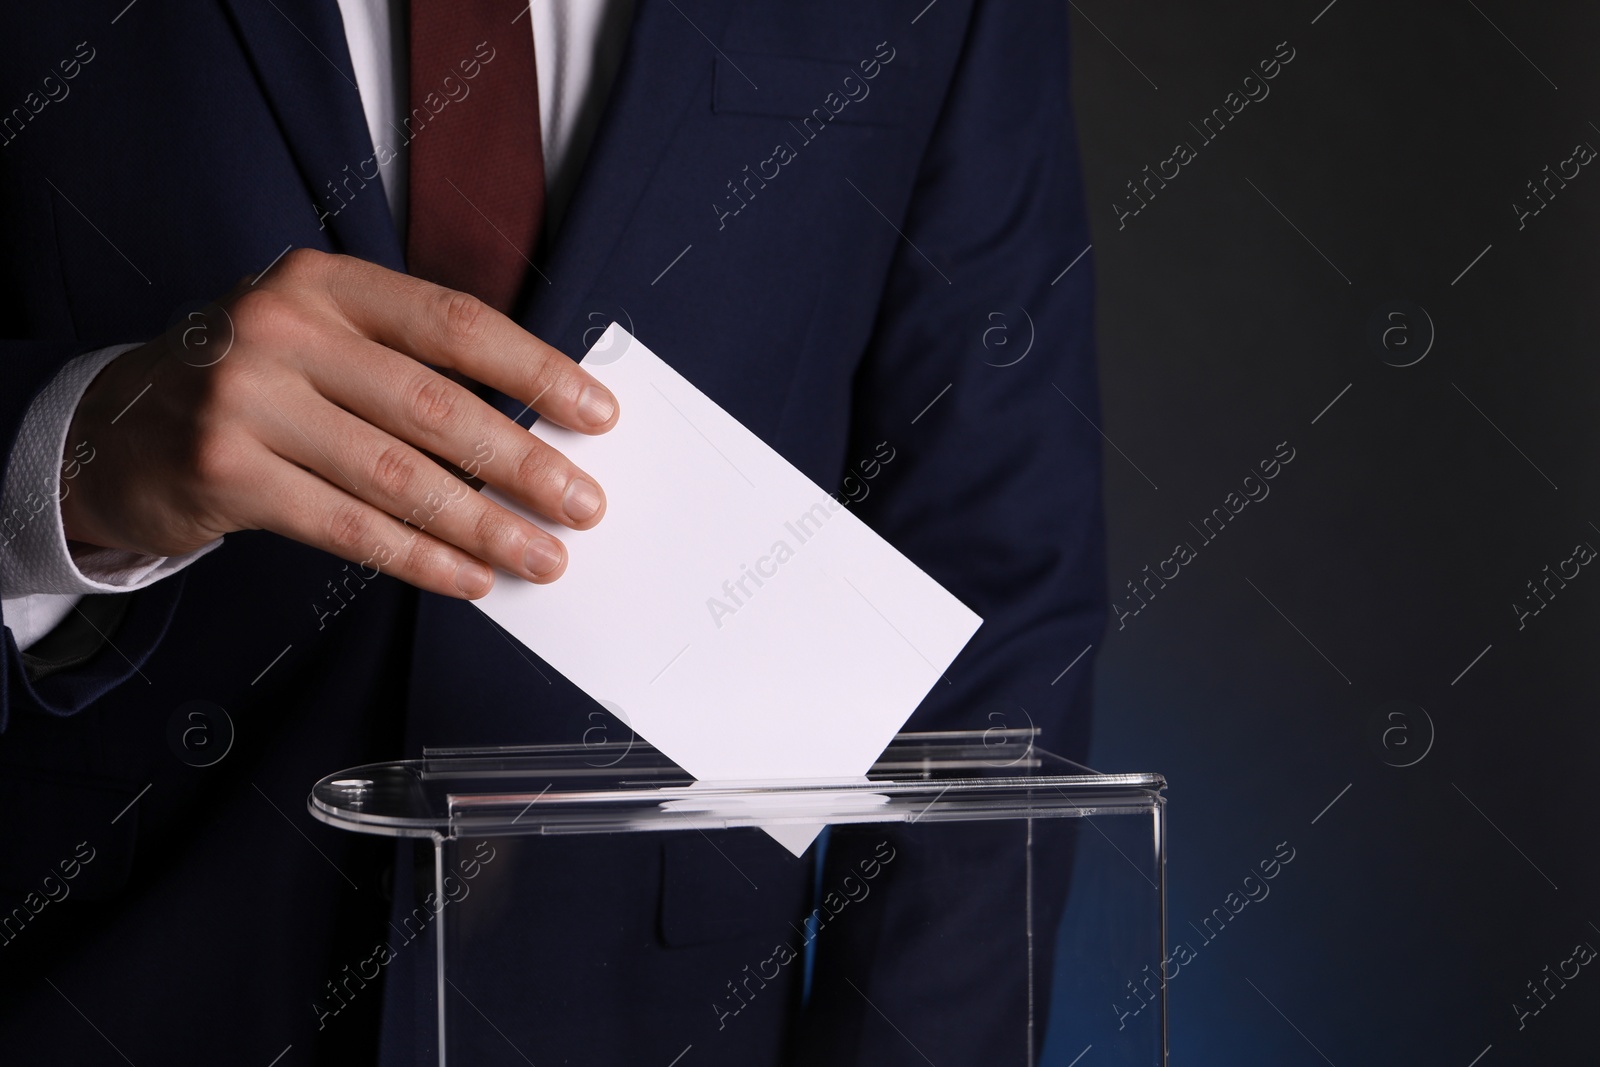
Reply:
x=971, y=895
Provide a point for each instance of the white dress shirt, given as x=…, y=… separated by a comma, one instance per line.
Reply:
x=578, y=46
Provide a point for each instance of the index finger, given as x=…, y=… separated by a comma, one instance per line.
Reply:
x=457, y=330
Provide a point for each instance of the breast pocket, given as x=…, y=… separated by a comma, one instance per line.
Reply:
x=813, y=93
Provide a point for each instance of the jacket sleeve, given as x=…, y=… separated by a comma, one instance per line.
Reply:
x=980, y=378
x=33, y=512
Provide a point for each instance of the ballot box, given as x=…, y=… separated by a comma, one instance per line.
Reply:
x=974, y=899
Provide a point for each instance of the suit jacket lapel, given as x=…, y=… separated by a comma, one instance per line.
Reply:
x=667, y=67
x=298, y=52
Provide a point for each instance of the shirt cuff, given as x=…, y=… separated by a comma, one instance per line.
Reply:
x=34, y=554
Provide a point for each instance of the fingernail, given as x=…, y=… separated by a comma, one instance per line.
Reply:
x=581, y=500
x=541, y=556
x=473, y=578
x=595, y=405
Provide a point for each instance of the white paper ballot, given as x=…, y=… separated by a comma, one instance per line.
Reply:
x=729, y=610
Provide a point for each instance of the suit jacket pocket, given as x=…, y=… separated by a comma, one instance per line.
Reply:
x=815, y=92
x=728, y=884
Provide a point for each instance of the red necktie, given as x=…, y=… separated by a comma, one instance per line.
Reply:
x=477, y=162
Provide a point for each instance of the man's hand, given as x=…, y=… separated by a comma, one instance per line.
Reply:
x=305, y=404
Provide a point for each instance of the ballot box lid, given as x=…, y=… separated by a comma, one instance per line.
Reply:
x=629, y=787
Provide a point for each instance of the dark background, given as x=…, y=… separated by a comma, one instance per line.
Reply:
x=1232, y=310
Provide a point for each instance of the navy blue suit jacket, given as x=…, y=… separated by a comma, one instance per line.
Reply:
x=849, y=267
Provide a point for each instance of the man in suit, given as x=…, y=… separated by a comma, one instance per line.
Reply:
x=278, y=275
